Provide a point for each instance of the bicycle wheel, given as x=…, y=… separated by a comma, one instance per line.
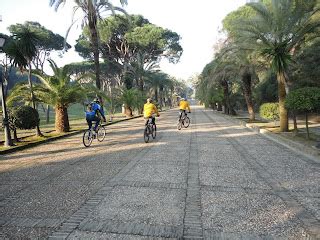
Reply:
x=146, y=134
x=87, y=138
x=154, y=131
x=179, y=126
x=186, y=122
x=101, y=133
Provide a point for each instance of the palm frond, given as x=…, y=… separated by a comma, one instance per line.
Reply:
x=56, y=3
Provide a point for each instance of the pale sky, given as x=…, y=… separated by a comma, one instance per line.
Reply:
x=197, y=22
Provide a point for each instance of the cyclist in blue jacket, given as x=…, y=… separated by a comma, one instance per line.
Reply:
x=94, y=113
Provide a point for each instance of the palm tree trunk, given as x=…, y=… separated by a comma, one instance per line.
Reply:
x=282, y=97
x=219, y=107
x=295, y=125
x=38, y=132
x=92, y=23
x=307, y=126
x=226, y=97
x=247, y=92
x=162, y=97
x=15, y=135
x=48, y=114
x=250, y=108
x=128, y=111
x=156, y=94
x=62, y=119
x=141, y=83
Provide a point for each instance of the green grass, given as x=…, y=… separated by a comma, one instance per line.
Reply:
x=76, y=120
x=75, y=112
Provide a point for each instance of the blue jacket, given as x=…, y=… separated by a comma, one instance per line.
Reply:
x=96, y=111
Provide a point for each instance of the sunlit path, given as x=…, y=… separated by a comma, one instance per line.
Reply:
x=213, y=180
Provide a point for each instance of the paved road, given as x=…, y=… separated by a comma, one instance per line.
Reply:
x=213, y=180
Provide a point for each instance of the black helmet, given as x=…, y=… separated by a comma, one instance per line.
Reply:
x=96, y=100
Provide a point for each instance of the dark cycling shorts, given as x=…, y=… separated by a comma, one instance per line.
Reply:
x=147, y=119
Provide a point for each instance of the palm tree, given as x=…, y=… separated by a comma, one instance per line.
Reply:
x=59, y=91
x=275, y=32
x=22, y=50
x=157, y=82
x=132, y=99
x=244, y=67
x=92, y=13
x=222, y=73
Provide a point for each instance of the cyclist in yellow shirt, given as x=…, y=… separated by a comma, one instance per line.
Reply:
x=148, y=110
x=183, y=106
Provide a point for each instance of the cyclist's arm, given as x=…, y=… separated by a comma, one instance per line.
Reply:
x=188, y=106
x=101, y=113
x=156, y=110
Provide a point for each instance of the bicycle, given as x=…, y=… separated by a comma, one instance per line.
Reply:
x=184, y=120
x=150, y=129
x=90, y=134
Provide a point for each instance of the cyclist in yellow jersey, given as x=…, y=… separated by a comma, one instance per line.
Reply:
x=148, y=110
x=183, y=106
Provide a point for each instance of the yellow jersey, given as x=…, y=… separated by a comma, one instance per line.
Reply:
x=149, y=109
x=183, y=105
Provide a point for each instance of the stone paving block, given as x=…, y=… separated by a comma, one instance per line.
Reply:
x=231, y=178
x=151, y=206
x=31, y=222
x=158, y=173
x=59, y=236
x=256, y=213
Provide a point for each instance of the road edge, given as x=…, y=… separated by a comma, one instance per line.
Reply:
x=308, y=152
x=51, y=139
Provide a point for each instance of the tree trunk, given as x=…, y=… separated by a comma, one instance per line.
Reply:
x=226, y=97
x=307, y=126
x=282, y=97
x=15, y=135
x=141, y=83
x=5, y=119
x=62, y=119
x=295, y=125
x=219, y=107
x=38, y=132
x=48, y=114
x=156, y=98
x=247, y=91
x=92, y=23
x=162, y=97
x=128, y=111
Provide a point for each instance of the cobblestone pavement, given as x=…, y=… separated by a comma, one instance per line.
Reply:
x=213, y=180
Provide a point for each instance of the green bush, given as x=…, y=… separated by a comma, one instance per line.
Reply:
x=25, y=117
x=269, y=111
x=303, y=100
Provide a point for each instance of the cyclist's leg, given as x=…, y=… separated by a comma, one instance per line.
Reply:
x=97, y=120
x=89, y=121
x=180, y=115
x=146, y=121
x=153, y=120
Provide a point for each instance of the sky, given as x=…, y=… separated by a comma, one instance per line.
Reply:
x=197, y=22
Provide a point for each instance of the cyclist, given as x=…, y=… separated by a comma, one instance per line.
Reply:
x=94, y=113
x=183, y=106
x=148, y=110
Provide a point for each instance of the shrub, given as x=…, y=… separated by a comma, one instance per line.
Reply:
x=304, y=100
x=25, y=117
x=269, y=111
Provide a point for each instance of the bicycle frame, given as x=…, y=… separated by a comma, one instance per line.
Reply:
x=150, y=129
